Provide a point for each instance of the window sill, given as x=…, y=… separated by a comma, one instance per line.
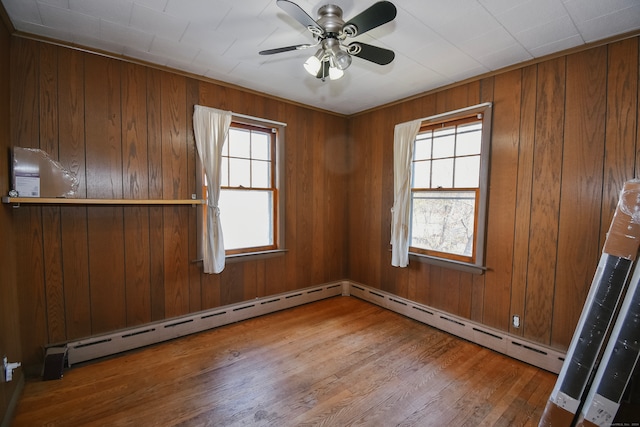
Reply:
x=230, y=259
x=441, y=262
x=255, y=255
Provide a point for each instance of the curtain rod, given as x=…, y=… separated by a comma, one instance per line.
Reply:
x=456, y=112
x=258, y=119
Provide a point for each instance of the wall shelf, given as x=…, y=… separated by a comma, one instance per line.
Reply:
x=63, y=201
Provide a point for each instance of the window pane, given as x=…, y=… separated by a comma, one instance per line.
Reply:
x=240, y=173
x=443, y=143
x=246, y=217
x=225, y=147
x=224, y=172
x=261, y=174
x=468, y=143
x=421, y=174
x=469, y=127
x=422, y=148
x=467, y=172
x=443, y=221
x=442, y=173
x=260, y=146
x=239, y=143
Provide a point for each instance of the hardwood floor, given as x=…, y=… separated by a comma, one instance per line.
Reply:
x=337, y=362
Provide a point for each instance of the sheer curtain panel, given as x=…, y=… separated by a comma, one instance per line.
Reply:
x=404, y=136
x=210, y=128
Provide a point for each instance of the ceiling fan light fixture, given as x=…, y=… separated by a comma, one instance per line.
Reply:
x=314, y=63
x=339, y=57
x=335, y=73
x=342, y=59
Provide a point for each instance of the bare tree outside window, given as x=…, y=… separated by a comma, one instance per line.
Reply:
x=445, y=189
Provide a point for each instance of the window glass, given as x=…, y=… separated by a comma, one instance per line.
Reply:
x=469, y=141
x=421, y=175
x=467, y=172
x=443, y=143
x=422, y=149
x=260, y=146
x=239, y=172
x=443, y=221
x=260, y=174
x=224, y=171
x=442, y=173
x=239, y=141
x=246, y=218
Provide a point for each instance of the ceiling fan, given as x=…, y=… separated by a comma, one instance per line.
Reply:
x=330, y=32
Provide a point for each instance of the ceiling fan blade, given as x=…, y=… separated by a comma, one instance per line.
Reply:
x=378, y=14
x=297, y=13
x=284, y=49
x=371, y=53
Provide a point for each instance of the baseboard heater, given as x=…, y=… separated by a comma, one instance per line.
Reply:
x=109, y=344
x=128, y=339
x=515, y=347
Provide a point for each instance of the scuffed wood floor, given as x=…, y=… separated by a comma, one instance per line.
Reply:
x=337, y=362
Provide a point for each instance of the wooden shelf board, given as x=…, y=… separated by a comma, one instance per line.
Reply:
x=63, y=201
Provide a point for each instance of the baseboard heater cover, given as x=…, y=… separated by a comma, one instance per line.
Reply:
x=99, y=346
x=515, y=347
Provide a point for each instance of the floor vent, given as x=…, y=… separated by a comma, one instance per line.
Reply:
x=516, y=347
x=129, y=339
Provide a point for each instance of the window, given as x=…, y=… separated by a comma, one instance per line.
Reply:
x=249, y=189
x=448, y=186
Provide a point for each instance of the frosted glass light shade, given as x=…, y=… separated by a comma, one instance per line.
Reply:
x=312, y=65
x=335, y=73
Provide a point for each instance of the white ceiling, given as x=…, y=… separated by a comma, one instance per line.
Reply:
x=437, y=42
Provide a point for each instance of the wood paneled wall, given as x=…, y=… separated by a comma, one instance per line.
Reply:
x=126, y=131
x=564, y=140
x=10, y=345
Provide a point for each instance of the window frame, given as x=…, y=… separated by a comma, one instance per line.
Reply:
x=273, y=136
x=277, y=130
x=475, y=263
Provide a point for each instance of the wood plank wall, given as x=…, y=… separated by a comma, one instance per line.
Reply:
x=9, y=319
x=564, y=140
x=125, y=130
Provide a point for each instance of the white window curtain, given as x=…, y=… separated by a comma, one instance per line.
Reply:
x=404, y=136
x=210, y=128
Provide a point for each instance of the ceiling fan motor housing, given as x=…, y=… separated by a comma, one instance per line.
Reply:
x=331, y=19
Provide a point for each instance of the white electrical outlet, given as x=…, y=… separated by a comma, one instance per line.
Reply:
x=8, y=369
x=516, y=321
